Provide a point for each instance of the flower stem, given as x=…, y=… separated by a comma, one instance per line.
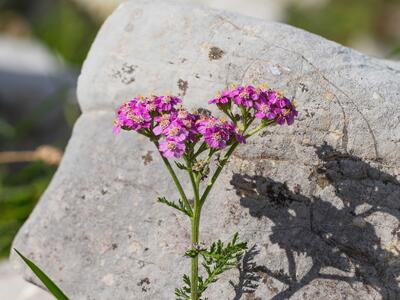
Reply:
x=258, y=128
x=195, y=179
x=176, y=181
x=217, y=172
x=195, y=260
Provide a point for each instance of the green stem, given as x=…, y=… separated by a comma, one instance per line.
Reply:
x=176, y=181
x=194, y=178
x=201, y=149
x=195, y=260
x=217, y=172
x=258, y=128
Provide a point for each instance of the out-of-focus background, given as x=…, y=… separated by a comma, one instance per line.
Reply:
x=43, y=44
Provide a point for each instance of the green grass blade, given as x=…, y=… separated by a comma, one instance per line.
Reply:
x=52, y=287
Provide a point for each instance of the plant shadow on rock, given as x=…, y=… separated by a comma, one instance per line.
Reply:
x=332, y=237
x=248, y=277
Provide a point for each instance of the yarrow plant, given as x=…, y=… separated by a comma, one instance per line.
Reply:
x=193, y=140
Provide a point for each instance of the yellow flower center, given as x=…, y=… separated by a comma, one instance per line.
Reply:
x=171, y=146
x=174, y=131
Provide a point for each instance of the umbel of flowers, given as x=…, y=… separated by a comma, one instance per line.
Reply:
x=193, y=139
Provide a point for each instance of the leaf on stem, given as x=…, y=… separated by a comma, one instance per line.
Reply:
x=179, y=206
x=184, y=292
x=181, y=166
x=51, y=286
x=220, y=258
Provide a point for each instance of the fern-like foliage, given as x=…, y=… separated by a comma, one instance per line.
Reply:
x=179, y=206
x=184, y=292
x=218, y=258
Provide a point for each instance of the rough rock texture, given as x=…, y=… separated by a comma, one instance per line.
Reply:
x=318, y=202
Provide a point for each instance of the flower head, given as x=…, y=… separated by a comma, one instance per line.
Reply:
x=171, y=148
x=132, y=115
x=166, y=103
x=163, y=119
x=256, y=102
x=176, y=131
x=162, y=122
x=217, y=133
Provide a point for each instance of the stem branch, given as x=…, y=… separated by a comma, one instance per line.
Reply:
x=217, y=172
x=176, y=181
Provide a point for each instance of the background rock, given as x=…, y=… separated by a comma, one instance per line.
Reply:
x=318, y=202
x=12, y=286
x=48, y=85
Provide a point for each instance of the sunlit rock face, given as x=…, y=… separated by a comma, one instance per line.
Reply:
x=318, y=202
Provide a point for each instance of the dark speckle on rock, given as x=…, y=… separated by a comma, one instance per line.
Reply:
x=114, y=246
x=148, y=158
x=297, y=189
x=126, y=73
x=303, y=87
x=183, y=86
x=215, y=53
x=128, y=27
x=144, y=283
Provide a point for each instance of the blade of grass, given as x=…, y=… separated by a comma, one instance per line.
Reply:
x=52, y=287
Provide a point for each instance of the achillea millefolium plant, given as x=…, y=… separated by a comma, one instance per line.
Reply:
x=195, y=141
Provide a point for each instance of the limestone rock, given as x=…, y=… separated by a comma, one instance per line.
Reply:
x=318, y=202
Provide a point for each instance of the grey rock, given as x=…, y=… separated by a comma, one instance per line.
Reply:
x=318, y=202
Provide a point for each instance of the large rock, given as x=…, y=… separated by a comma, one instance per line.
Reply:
x=318, y=202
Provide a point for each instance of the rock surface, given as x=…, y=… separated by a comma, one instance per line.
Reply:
x=317, y=202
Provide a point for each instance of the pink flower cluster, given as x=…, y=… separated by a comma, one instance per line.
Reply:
x=175, y=130
x=173, y=127
x=261, y=102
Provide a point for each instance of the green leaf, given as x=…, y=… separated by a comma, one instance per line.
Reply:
x=51, y=286
x=184, y=292
x=179, y=206
x=181, y=166
x=191, y=253
x=219, y=258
